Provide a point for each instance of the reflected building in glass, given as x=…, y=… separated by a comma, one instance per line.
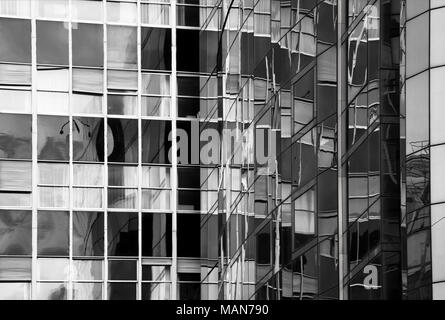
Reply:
x=95, y=205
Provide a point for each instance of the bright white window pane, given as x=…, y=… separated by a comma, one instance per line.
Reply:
x=53, y=173
x=86, y=104
x=121, y=12
x=437, y=174
x=439, y=291
x=17, y=101
x=15, y=8
x=87, y=270
x=417, y=131
x=15, y=175
x=53, y=79
x=155, y=14
x=53, y=197
x=15, y=291
x=86, y=10
x=437, y=105
x=417, y=44
x=437, y=241
x=52, y=269
x=87, y=198
x=52, y=102
x=437, y=38
x=57, y=9
x=126, y=80
x=11, y=199
x=88, y=174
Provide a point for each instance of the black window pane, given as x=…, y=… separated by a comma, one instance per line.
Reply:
x=52, y=233
x=15, y=232
x=52, y=43
x=88, y=45
x=156, y=234
x=88, y=233
x=156, y=48
x=189, y=235
x=122, y=291
x=122, y=270
x=15, y=136
x=122, y=234
x=15, y=39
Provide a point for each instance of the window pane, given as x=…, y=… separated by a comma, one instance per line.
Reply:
x=88, y=198
x=15, y=8
x=155, y=107
x=15, y=175
x=88, y=139
x=88, y=45
x=158, y=84
x=15, y=232
x=15, y=268
x=156, y=48
x=122, y=47
x=51, y=291
x=52, y=234
x=122, y=140
x=122, y=176
x=86, y=104
x=156, y=14
x=17, y=101
x=15, y=290
x=87, y=269
x=57, y=9
x=121, y=12
x=87, y=291
x=15, y=74
x=86, y=10
x=53, y=197
x=122, y=80
x=52, y=103
x=88, y=174
x=11, y=199
x=122, y=105
x=122, y=234
x=155, y=273
x=52, y=42
x=156, y=234
x=156, y=177
x=53, y=138
x=155, y=291
x=88, y=80
x=155, y=142
x=156, y=199
x=122, y=198
x=88, y=233
x=122, y=291
x=15, y=136
x=122, y=270
x=53, y=269
x=52, y=79
x=54, y=174
x=15, y=37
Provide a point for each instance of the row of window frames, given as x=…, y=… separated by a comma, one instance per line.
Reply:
x=18, y=174
x=91, y=80
x=125, y=13
x=57, y=269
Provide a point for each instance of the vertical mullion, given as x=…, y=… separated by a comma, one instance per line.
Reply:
x=34, y=149
x=105, y=175
x=71, y=174
x=139, y=192
x=174, y=167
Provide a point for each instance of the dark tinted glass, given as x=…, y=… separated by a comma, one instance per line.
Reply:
x=52, y=42
x=15, y=39
x=15, y=136
x=156, y=48
x=122, y=234
x=88, y=233
x=88, y=45
x=52, y=233
x=15, y=232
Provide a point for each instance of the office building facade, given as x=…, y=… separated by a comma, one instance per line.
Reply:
x=300, y=168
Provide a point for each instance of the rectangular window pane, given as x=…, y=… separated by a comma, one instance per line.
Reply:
x=88, y=139
x=88, y=174
x=53, y=197
x=86, y=10
x=15, y=232
x=156, y=291
x=15, y=290
x=156, y=235
x=122, y=52
x=87, y=291
x=52, y=233
x=15, y=37
x=15, y=133
x=15, y=268
x=87, y=198
x=122, y=234
x=16, y=101
x=87, y=80
x=88, y=43
x=88, y=233
x=156, y=199
x=121, y=291
x=51, y=291
x=122, y=198
x=156, y=107
x=87, y=269
x=156, y=14
x=15, y=74
x=86, y=104
x=53, y=79
x=121, y=12
x=53, y=269
x=15, y=175
x=52, y=102
x=122, y=105
x=52, y=42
